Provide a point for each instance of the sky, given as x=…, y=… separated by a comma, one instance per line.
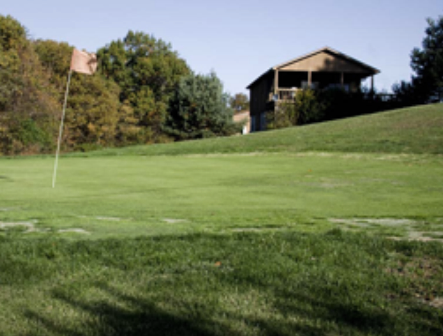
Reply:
x=241, y=39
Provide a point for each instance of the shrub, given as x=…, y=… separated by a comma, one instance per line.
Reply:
x=309, y=106
x=305, y=108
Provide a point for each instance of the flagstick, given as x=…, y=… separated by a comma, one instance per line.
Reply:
x=61, y=130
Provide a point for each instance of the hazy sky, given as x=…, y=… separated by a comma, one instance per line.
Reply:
x=241, y=39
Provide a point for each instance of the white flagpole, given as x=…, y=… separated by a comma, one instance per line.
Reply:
x=61, y=130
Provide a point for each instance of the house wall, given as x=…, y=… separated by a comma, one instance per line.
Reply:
x=327, y=62
x=258, y=100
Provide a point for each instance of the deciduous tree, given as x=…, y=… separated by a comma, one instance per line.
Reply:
x=147, y=71
x=239, y=102
x=27, y=102
x=92, y=113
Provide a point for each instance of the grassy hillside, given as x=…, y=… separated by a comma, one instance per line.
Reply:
x=325, y=232
x=413, y=130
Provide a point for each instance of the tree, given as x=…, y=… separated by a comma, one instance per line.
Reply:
x=27, y=102
x=147, y=71
x=427, y=63
x=239, y=102
x=92, y=112
x=199, y=109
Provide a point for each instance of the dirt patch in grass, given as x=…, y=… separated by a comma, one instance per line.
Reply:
x=174, y=220
x=257, y=229
x=419, y=236
x=28, y=226
x=425, y=279
x=436, y=303
x=377, y=221
x=104, y=218
x=324, y=184
x=81, y=231
x=7, y=209
x=411, y=227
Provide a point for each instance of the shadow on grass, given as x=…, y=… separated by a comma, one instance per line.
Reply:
x=301, y=314
x=106, y=319
x=242, y=296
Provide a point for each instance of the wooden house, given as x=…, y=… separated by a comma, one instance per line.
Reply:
x=321, y=69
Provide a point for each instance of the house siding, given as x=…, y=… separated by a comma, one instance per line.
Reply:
x=325, y=62
x=259, y=100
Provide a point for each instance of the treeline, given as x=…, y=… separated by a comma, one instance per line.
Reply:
x=426, y=84
x=143, y=93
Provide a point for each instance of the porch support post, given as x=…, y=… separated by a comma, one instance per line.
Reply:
x=309, y=79
x=276, y=82
x=372, y=83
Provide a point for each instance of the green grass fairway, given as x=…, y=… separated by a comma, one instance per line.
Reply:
x=136, y=195
x=328, y=229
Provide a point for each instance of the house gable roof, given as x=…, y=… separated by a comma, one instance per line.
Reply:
x=334, y=53
x=343, y=58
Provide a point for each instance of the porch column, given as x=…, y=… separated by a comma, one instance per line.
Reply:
x=276, y=82
x=372, y=83
x=309, y=79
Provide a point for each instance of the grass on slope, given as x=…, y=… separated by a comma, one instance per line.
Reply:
x=271, y=244
x=416, y=130
x=245, y=284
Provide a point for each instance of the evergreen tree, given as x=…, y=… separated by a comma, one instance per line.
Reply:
x=199, y=109
x=427, y=63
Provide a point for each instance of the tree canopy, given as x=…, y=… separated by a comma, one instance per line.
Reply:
x=147, y=71
x=27, y=100
x=239, y=102
x=138, y=95
x=427, y=63
x=199, y=109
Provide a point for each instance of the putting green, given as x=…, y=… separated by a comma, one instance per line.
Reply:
x=139, y=195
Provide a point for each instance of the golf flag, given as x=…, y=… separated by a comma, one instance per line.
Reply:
x=83, y=62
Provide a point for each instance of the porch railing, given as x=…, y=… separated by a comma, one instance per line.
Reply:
x=284, y=94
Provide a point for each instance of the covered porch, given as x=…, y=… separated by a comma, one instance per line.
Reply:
x=286, y=83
